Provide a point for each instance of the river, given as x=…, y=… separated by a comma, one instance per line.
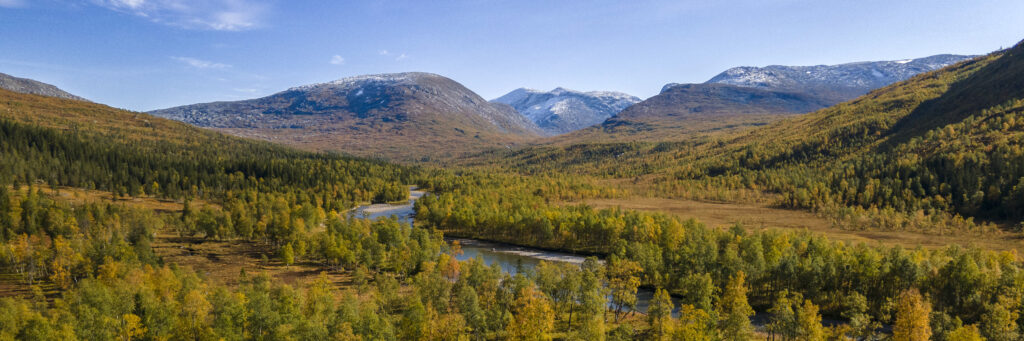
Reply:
x=508, y=257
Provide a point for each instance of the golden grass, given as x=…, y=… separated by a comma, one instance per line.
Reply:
x=80, y=196
x=222, y=262
x=760, y=216
x=14, y=285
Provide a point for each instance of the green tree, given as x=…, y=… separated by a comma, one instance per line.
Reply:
x=809, y=323
x=999, y=323
x=414, y=321
x=288, y=254
x=965, y=333
x=229, y=314
x=856, y=311
x=188, y=219
x=593, y=301
x=6, y=221
x=468, y=303
x=623, y=281
x=196, y=310
x=784, y=318
x=698, y=289
x=532, y=317
x=694, y=324
x=592, y=308
x=735, y=312
x=131, y=327
x=659, y=314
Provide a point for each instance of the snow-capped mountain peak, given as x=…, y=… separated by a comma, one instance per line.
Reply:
x=847, y=79
x=563, y=110
x=403, y=78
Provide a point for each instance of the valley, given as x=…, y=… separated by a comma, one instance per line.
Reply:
x=845, y=201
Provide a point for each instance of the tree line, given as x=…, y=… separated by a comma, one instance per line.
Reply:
x=854, y=282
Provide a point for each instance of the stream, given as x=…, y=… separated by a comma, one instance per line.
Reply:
x=508, y=257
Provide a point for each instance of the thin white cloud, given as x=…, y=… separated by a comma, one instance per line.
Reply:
x=401, y=57
x=337, y=60
x=221, y=15
x=12, y=3
x=201, y=64
x=383, y=52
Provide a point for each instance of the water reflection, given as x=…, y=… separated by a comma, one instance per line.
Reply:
x=509, y=258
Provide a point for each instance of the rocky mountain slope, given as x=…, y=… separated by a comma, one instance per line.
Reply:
x=562, y=110
x=401, y=116
x=751, y=96
x=33, y=87
x=836, y=83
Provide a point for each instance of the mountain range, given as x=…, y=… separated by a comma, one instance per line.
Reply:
x=946, y=142
x=402, y=115
x=751, y=96
x=834, y=83
x=416, y=116
x=562, y=110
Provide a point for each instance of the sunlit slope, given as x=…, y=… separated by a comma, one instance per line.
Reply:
x=944, y=141
x=83, y=144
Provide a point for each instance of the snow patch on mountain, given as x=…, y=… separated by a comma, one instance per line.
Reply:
x=393, y=98
x=402, y=78
x=842, y=78
x=564, y=110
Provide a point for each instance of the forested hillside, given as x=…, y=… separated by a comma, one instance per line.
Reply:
x=939, y=146
x=78, y=144
x=865, y=201
x=940, y=153
x=930, y=154
x=77, y=266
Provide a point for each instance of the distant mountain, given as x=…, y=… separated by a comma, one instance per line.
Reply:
x=401, y=116
x=562, y=110
x=939, y=144
x=687, y=110
x=836, y=83
x=751, y=96
x=33, y=87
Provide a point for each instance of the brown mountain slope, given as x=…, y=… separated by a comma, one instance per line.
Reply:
x=407, y=116
x=690, y=110
x=742, y=97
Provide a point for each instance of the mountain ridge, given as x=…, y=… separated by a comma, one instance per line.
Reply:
x=564, y=110
x=751, y=96
x=400, y=115
x=837, y=82
x=34, y=87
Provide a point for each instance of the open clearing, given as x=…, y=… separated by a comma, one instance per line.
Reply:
x=223, y=261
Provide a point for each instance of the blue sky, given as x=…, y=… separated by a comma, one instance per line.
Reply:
x=150, y=54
